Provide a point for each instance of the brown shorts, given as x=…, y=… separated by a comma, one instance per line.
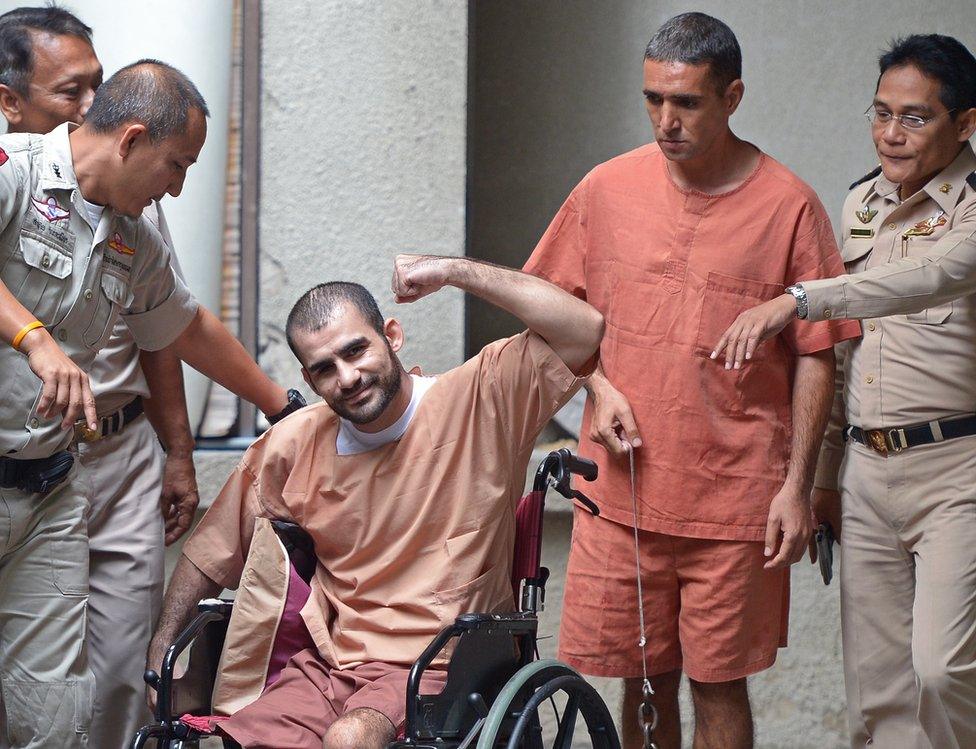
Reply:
x=297, y=710
x=710, y=608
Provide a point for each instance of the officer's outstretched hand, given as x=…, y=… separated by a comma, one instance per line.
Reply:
x=416, y=276
x=788, y=527
x=752, y=327
x=65, y=389
x=613, y=424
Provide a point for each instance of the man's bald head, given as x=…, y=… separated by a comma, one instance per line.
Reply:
x=150, y=92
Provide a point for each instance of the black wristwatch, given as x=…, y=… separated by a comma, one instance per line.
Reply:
x=295, y=401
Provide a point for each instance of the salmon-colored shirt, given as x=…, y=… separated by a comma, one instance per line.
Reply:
x=408, y=535
x=670, y=269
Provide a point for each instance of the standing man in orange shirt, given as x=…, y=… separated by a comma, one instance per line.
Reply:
x=671, y=241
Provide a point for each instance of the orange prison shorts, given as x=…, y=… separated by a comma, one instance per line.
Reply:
x=710, y=608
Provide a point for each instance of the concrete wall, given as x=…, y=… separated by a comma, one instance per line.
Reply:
x=363, y=156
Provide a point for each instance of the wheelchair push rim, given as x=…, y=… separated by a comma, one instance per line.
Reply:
x=552, y=677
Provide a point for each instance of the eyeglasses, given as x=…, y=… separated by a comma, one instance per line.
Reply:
x=881, y=117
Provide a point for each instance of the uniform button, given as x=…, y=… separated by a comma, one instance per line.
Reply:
x=892, y=227
x=872, y=326
x=827, y=314
x=869, y=379
x=34, y=423
x=88, y=295
x=46, y=262
x=62, y=335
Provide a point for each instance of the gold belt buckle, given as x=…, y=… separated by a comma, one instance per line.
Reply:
x=84, y=434
x=877, y=441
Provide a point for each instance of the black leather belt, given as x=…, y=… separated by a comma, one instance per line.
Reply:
x=884, y=441
x=111, y=424
x=38, y=475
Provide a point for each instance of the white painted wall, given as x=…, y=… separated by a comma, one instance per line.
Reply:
x=363, y=156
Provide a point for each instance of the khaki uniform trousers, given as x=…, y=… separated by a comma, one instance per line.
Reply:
x=908, y=595
x=46, y=683
x=127, y=566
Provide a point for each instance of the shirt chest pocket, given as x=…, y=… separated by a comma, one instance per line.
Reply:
x=726, y=297
x=922, y=246
x=113, y=296
x=39, y=277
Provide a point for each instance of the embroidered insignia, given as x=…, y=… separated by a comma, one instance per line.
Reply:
x=57, y=170
x=50, y=209
x=3, y=157
x=118, y=245
x=861, y=233
x=865, y=215
x=927, y=226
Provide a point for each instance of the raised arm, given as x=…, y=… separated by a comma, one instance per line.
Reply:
x=571, y=327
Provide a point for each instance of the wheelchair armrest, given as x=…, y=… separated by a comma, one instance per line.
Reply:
x=211, y=610
x=516, y=622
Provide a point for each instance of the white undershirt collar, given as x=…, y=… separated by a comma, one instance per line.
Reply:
x=352, y=441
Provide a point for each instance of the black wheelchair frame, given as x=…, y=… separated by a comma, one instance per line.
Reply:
x=495, y=684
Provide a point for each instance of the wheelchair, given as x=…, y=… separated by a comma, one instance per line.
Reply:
x=497, y=692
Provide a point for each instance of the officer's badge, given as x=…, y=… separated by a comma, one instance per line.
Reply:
x=50, y=209
x=926, y=227
x=118, y=245
x=865, y=215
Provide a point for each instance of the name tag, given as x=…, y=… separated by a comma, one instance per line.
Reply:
x=858, y=233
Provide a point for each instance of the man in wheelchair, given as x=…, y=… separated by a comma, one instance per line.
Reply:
x=406, y=484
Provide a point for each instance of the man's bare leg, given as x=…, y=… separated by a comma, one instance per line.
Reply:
x=668, y=731
x=362, y=728
x=723, y=718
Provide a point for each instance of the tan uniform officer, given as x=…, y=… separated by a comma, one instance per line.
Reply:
x=908, y=476
x=74, y=254
x=48, y=76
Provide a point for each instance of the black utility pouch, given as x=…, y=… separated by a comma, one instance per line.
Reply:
x=47, y=474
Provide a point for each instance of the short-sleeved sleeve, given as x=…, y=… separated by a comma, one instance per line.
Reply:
x=814, y=255
x=528, y=382
x=162, y=306
x=560, y=256
x=219, y=544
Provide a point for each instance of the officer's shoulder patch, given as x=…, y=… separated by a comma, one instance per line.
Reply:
x=970, y=180
x=870, y=175
x=3, y=157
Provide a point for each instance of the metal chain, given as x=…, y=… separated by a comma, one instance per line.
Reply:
x=647, y=716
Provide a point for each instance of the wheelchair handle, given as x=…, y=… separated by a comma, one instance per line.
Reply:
x=557, y=470
x=578, y=466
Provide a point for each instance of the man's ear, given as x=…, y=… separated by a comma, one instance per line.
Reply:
x=10, y=106
x=733, y=95
x=394, y=333
x=133, y=134
x=966, y=124
x=308, y=381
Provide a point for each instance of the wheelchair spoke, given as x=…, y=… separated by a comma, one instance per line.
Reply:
x=567, y=724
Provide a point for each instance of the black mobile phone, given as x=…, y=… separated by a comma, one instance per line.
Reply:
x=825, y=551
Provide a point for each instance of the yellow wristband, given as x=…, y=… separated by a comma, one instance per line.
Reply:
x=24, y=331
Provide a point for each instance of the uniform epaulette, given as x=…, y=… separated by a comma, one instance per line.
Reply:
x=870, y=175
x=971, y=180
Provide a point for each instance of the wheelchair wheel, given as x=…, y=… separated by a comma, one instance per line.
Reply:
x=528, y=691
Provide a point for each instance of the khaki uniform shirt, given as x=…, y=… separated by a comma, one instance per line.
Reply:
x=72, y=279
x=408, y=535
x=914, y=287
x=116, y=376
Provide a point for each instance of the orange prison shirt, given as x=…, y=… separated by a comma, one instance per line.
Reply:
x=411, y=534
x=670, y=269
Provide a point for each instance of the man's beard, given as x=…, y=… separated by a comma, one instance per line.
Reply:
x=388, y=384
